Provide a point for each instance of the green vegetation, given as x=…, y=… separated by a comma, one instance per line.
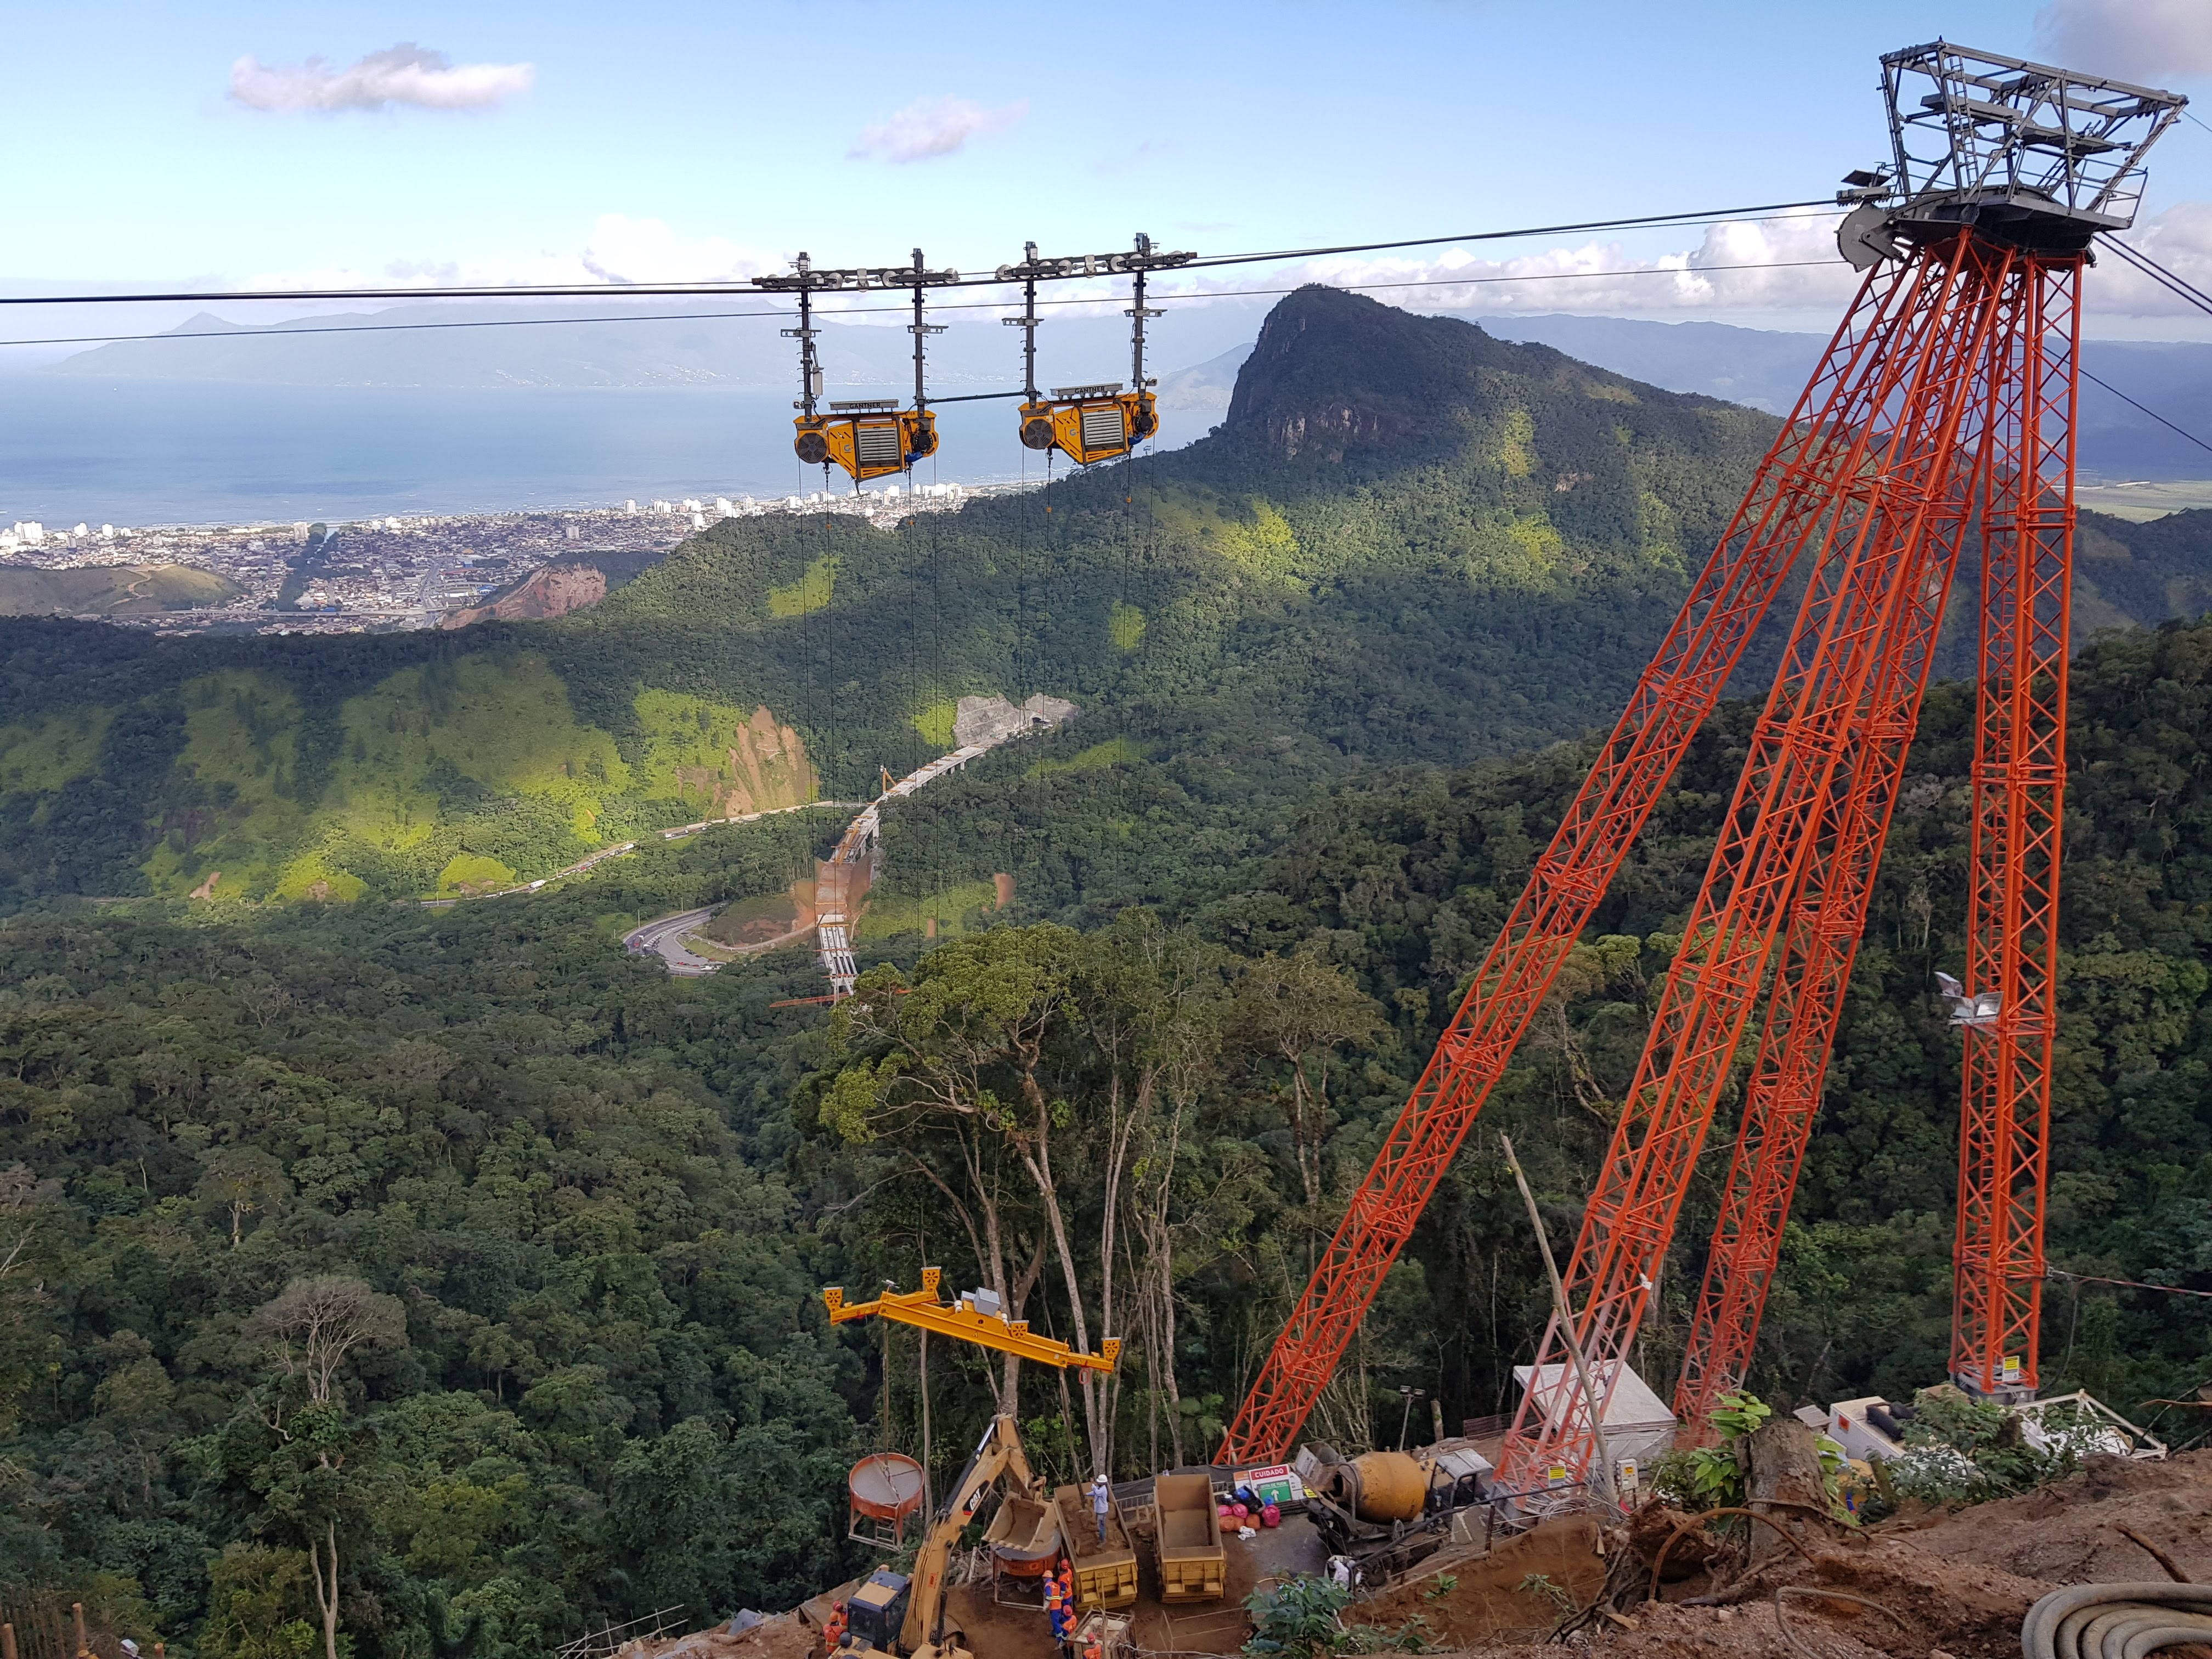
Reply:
x=1408, y=543
x=1112, y=752
x=1961, y=1450
x=112, y=590
x=1712, y=1477
x=810, y=594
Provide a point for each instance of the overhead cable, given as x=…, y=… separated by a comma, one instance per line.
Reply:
x=861, y=311
x=2170, y=280
x=2140, y=410
x=2129, y=1284
x=979, y=279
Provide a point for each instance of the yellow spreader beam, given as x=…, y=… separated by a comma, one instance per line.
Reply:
x=922, y=1310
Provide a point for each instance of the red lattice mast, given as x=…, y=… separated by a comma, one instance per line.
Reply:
x=1868, y=470
x=1876, y=594
x=1827, y=918
x=1822, y=445
x=2019, y=798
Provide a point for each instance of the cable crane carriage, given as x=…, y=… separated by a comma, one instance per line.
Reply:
x=868, y=437
x=1088, y=423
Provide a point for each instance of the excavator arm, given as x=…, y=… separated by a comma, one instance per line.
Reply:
x=998, y=1453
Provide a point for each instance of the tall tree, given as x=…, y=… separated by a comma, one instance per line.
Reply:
x=967, y=1043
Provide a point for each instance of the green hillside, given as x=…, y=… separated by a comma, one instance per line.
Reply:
x=110, y=590
x=580, y=1213
x=1408, y=541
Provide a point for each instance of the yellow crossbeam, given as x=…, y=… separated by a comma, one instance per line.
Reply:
x=922, y=1310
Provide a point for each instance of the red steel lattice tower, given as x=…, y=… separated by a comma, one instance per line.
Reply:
x=2019, y=796
x=1868, y=472
x=1826, y=918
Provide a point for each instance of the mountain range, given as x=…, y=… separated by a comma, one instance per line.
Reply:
x=1407, y=540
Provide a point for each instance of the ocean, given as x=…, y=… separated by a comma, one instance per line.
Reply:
x=143, y=452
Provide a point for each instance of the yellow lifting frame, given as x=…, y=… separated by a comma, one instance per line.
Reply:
x=959, y=1319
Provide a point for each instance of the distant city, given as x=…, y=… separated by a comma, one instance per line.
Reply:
x=388, y=574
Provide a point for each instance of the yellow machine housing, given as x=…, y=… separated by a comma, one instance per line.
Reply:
x=870, y=439
x=1089, y=424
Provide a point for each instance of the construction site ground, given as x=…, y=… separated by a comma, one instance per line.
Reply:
x=1950, y=1584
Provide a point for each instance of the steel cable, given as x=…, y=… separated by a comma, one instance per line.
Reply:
x=2116, y=1621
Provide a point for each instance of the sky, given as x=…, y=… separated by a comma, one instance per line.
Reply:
x=228, y=145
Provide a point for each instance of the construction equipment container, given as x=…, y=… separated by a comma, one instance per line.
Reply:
x=1023, y=1537
x=884, y=1489
x=1105, y=1573
x=1193, y=1567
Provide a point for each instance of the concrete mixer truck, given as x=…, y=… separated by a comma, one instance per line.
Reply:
x=1373, y=1510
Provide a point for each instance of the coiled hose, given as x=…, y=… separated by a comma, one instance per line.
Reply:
x=2116, y=1621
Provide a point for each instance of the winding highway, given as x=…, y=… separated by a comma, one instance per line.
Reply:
x=665, y=939
x=833, y=929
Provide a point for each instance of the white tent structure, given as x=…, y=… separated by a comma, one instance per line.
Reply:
x=1639, y=1427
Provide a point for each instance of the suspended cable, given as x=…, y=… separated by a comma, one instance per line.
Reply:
x=864, y=311
x=1703, y=215
x=2127, y=1284
x=2171, y=281
x=2152, y=413
x=978, y=279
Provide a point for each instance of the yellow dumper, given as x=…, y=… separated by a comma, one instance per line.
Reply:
x=1194, y=1566
x=1105, y=1574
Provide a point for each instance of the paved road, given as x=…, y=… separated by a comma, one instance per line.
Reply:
x=665, y=939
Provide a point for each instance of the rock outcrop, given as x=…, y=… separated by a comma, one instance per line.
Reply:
x=553, y=591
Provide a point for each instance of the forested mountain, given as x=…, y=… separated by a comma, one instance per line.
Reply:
x=1407, y=541
x=573, y=1217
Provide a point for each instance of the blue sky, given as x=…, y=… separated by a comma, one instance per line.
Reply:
x=694, y=140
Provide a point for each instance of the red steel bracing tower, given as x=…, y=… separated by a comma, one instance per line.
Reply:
x=1864, y=468
x=1826, y=918
x=1858, y=655
x=1999, y=1201
x=2008, y=188
x=2019, y=795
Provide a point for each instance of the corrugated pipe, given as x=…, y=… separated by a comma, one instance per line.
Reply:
x=2116, y=1621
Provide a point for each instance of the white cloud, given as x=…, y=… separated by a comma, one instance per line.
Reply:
x=625, y=250
x=2180, y=239
x=935, y=126
x=2151, y=41
x=619, y=251
x=406, y=74
x=1777, y=265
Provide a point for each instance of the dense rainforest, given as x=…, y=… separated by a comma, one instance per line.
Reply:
x=450, y=1276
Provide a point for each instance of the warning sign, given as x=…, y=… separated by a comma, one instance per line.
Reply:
x=1278, y=1483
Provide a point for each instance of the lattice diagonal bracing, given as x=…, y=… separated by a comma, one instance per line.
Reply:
x=1860, y=639
x=2019, y=792
x=1827, y=447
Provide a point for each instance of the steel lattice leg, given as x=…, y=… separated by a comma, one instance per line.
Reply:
x=1827, y=916
x=2020, y=781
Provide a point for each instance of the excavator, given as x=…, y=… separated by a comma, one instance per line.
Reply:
x=904, y=1617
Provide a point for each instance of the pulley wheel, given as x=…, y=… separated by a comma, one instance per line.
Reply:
x=1036, y=435
x=811, y=447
